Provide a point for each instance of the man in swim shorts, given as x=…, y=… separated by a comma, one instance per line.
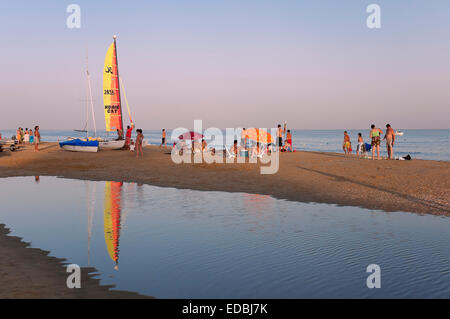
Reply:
x=390, y=140
x=280, y=132
x=346, y=146
x=361, y=147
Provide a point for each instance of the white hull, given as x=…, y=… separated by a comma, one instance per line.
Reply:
x=111, y=145
x=75, y=148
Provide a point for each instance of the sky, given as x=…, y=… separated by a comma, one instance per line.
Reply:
x=243, y=63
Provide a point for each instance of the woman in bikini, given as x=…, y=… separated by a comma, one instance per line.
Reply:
x=37, y=138
x=139, y=139
x=375, y=134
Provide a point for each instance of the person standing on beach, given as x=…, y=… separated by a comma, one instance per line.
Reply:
x=360, y=147
x=128, y=136
x=18, y=135
x=243, y=139
x=163, y=138
x=37, y=138
x=139, y=139
x=346, y=146
x=30, y=132
x=375, y=134
x=204, y=146
x=119, y=135
x=234, y=148
x=26, y=137
x=280, y=132
x=289, y=138
x=390, y=140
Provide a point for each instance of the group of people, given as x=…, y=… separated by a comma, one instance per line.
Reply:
x=246, y=148
x=133, y=146
x=375, y=136
x=27, y=136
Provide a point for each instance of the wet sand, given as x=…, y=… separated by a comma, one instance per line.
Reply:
x=30, y=273
x=416, y=186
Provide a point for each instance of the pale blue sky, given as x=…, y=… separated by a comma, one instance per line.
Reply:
x=230, y=63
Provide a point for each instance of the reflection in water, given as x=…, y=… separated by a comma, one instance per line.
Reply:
x=90, y=197
x=111, y=219
x=256, y=203
x=228, y=245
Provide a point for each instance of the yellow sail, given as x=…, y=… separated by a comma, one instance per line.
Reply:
x=111, y=218
x=111, y=93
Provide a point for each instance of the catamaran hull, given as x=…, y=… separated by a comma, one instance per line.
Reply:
x=74, y=148
x=79, y=145
x=111, y=145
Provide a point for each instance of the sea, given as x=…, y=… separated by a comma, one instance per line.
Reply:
x=418, y=143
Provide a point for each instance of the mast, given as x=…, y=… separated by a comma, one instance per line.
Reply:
x=87, y=97
x=118, y=85
x=90, y=96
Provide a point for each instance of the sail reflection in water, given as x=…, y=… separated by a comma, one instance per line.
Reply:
x=111, y=219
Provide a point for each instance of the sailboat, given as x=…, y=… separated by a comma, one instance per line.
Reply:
x=87, y=144
x=112, y=99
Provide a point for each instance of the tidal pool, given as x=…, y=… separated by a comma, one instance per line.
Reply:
x=172, y=243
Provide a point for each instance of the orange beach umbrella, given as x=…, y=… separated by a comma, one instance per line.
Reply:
x=258, y=135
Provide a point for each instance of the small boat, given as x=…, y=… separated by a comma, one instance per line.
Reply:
x=112, y=98
x=88, y=144
x=80, y=145
x=111, y=145
x=399, y=133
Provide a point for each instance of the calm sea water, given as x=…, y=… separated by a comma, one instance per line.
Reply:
x=173, y=243
x=421, y=144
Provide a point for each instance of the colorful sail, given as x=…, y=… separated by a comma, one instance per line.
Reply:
x=111, y=91
x=111, y=218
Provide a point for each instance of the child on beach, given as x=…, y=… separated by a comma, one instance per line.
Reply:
x=26, y=137
x=289, y=137
x=30, y=133
x=347, y=145
x=139, y=139
x=360, y=149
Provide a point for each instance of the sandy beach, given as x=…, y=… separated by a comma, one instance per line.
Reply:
x=416, y=186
